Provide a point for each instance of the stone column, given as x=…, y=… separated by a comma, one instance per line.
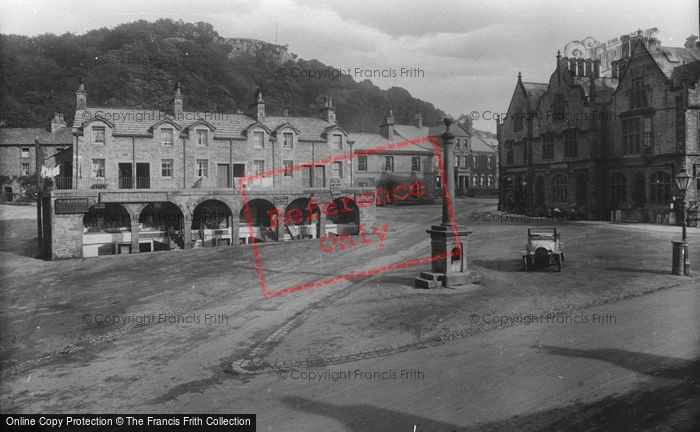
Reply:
x=448, y=243
x=134, y=233
x=448, y=190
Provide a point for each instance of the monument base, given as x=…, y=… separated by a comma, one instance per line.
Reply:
x=432, y=280
x=451, y=270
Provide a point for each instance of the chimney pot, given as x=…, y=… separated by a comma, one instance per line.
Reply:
x=327, y=112
x=57, y=122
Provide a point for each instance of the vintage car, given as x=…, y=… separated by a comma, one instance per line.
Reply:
x=543, y=249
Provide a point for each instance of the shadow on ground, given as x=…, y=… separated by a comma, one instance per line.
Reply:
x=655, y=405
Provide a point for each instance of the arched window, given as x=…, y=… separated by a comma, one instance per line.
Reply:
x=618, y=189
x=660, y=188
x=560, y=191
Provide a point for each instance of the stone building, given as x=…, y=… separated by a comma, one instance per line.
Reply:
x=150, y=180
x=377, y=164
x=476, y=166
x=604, y=142
x=18, y=155
x=475, y=159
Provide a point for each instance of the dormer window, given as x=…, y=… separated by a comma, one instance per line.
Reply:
x=166, y=136
x=337, y=141
x=287, y=140
x=258, y=139
x=98, y=134
x=202, y=137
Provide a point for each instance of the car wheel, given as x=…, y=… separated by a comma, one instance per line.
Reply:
x=559, y=262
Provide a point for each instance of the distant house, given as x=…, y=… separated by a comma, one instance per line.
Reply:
x=388, y=168
x=475, y=160
x=18, y=154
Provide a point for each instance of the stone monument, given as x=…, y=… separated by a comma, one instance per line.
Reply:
x=448, y=240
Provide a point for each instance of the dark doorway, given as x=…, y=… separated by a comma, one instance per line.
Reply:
x=126, y=179
x=8, y=194
x=143, y=175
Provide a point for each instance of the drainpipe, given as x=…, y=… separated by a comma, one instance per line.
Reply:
x=39, y=225
x=133, y=163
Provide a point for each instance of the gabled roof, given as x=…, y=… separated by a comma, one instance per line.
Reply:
x=201, y=122
x=98, y=118
x=332, y=128
x=165, y=120
x=26, y=136
x=138, y=122
x=286, y=125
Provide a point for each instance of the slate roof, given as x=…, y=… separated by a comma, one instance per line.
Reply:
x=26, y=136
x=483, y=144
x=367, y=141
x=411, y=132
x=535, y=90
x=669, y=58
x=229, y=126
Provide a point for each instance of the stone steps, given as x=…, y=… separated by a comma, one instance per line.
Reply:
x=432, y=280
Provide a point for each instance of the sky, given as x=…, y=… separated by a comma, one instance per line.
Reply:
x=464, y=55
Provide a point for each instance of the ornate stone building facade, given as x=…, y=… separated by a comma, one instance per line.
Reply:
x=150, y=180
x=604, y=143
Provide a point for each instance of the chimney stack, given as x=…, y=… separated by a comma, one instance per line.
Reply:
x=259, y=105
x=177, y=102
x=81, y=96
x=57, y=122
x=581, y=67
x=387, y=129
x=419, y=121
x=328, y=110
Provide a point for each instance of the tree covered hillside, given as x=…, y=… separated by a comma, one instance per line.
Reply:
x=137, y=65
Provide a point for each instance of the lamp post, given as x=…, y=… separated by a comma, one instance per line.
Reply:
x=680, y=249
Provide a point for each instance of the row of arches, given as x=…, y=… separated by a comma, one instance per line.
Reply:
x=109, y=229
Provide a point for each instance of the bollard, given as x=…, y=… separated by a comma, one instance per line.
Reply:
x=679, y=257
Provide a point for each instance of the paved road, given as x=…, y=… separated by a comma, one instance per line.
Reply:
x=55, y=361
x=636, y=368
